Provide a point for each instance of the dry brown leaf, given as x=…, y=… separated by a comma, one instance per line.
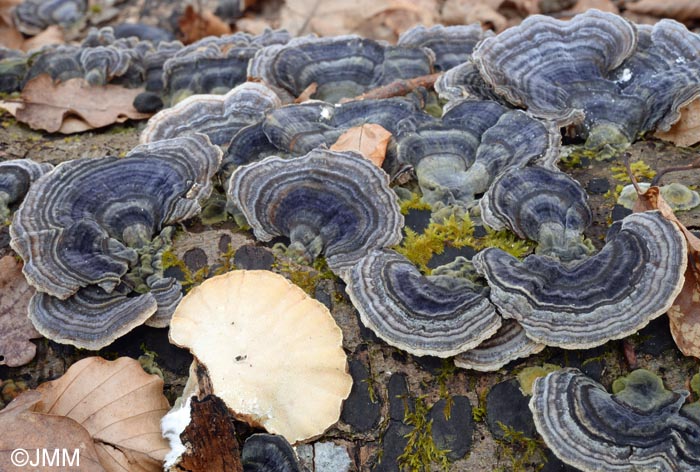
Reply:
x=378, y=19
x=253, y=25
x=195, y=26
x=681, y=10
x=307, y=93
x=369, y=139
x=684, y=314
x=117, y=404
x=457, y=12
x=51, y=35
x=686, y=131
x=57, y=107
x=24, y=426
x=585, y=5
x=10, y=37
x=15, y=328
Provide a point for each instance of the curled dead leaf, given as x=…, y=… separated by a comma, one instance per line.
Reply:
x=681, y=10
x=370, y=140
x=74, y=105
x=686, y=131
x=197, y=25
x=110, y=407
x=15, y=328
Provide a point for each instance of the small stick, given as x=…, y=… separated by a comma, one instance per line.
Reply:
x=398, y=88
x=693, y=165
x=626, y=159
x=630, y=355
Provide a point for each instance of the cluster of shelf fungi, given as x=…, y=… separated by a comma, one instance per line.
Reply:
x=92, y=232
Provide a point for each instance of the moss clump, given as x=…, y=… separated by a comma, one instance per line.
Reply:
x=226, y=261
x=528, y=375
x=456, y=231
x=641, y=171
x=479, y=411
x=414, y=203
x=306, y=278
x=190, y=280
x=148, y=362
x=421, y=451
x=522, y=453
x=446, y=372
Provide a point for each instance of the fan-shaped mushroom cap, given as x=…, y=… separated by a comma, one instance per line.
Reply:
x=678, y=196
x=15, y=178
x=664, y=71
x=268, y=453
x=558, y=70
x=509, y=343
x=90, y=235
x=476, y=141
x=543, y=205
x=435, y=315
x=13, y=65
x=273, y=353
x=451, y=45
x=632, y=280
x=341, y=66
x=217, y=116
x=336, y=202
x=294, y=130
x=32, y=17
x=213, y=65
x=641, y=427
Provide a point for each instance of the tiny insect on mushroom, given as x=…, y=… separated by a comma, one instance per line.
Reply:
x=338, y=203
x=437, y=315
x=16, y=176
x=341, y=66
x=542, y=205
x=642, y=426
x=585, y=303
x=92, y=232
x=272, y=353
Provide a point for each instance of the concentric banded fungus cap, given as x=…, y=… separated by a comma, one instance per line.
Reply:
x=32, y=17
x=336, y=202
x=435, y=315
x=268, y=453
x=92, y=231
x=217, y=116
x=558, y=70
x=341, y=66
x=465, y=81
x=641, y=427
x=632, y=280
x=451, y=45
x=542, y=205
x=509, y=343
x=273, y=353
x=664, y=71
x=295, y=130
x=213, y=65
x=15, y=178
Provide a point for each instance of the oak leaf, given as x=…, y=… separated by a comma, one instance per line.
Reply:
x=74, y=105
x=196, y=25
x=681, y=10
x=370, y=140
x=15, y=328
x=686, y=131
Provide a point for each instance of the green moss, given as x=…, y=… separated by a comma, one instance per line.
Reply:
x=169, y=259
x=640, y=169
x=446, y=372
x=420, y=451
x=528, y=375
x=695, y=384
x=414, y=203
x=148, y=362
x=522, y=453
x=507, y=241
x=479, y=411
x=304, y=277
x=226, y=261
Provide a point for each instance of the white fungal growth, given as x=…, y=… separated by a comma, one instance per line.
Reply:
x=625, y=77
x=171, y=426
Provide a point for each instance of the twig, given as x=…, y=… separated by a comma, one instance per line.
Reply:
x=630, y=355
x=398, y=88
x=693, y=165
x=626, y=159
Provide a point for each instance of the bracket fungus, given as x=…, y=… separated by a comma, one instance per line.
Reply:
x=217, y=116
x=437, y=315
x=559, y=71
x=475, y=141
x=678, y=196
x=15, y=178
x=542, y=205
x=338, y=203
x=295, y=130
x=213, y=65
x=642, y=426
x=92, y=232
x=341, y=66
x=268, y=453
x=32, y=17
x=273, y=353
x=584, y=303
x=451, y=45
x=509, y=343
